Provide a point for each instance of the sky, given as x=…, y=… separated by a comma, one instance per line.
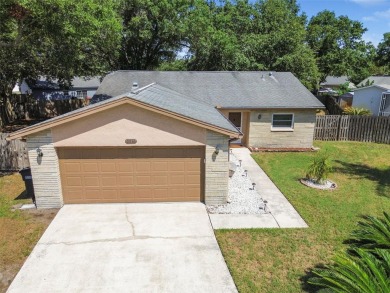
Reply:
x=374, y=14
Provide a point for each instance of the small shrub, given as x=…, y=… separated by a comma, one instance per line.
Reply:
x=319, y=169
x=356, y=111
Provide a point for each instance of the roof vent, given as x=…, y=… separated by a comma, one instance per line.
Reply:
x=262, y=77
x=270, y=74
x=135, y=85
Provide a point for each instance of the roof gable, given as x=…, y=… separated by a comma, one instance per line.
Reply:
x=225, y=89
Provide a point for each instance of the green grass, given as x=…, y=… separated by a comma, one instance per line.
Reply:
x=280, y=260
x=19, y=230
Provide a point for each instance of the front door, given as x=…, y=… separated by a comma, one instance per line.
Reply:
x=235, y=118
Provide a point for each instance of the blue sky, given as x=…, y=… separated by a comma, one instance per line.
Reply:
x=374, y=14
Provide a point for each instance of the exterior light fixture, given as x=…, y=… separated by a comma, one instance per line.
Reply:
x=217, y=149
x=39, y=152
x=259, y=116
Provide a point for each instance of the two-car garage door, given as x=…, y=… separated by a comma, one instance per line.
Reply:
x=102, y=175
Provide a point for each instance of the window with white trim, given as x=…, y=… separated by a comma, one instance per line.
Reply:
x=282, y=121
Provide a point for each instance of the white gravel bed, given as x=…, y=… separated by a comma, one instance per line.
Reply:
x=242, y=199
x=327, y=185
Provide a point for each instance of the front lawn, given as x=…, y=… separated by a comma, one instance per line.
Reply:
x=19, y=230
x=280, y=260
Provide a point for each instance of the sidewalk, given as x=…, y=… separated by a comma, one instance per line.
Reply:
x=282, y=213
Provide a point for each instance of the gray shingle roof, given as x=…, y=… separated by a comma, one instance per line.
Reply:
x=226, y=89
x=382, y=81
x=158, y=96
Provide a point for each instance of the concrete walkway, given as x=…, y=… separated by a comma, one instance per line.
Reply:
x=281, y=213
x=127, y=248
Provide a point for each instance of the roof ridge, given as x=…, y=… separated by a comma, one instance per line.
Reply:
x=137, y=91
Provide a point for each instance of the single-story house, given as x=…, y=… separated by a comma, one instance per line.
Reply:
x=271, y=109
x=144, y=140
x=374, y=97
x=334, y=82
x=43, y=89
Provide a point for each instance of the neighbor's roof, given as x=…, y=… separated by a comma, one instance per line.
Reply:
x=77, y=83
x=153, y=96
x=337, y=80
x=380, y=81
x=225, y=89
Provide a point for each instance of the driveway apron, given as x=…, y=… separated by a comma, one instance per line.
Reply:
x=127, y=248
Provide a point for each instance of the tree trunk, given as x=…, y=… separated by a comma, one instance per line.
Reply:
x=4, y=118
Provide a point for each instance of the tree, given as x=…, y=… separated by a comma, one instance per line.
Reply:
x=339, y=46
x=58, y=39
x=266, y=35
x=383, y=53
x=153, y=32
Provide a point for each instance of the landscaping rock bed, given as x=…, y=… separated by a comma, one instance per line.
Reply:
x=327, y=185
x=242, y=198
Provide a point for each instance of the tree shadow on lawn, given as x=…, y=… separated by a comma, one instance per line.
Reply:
x=382, y=177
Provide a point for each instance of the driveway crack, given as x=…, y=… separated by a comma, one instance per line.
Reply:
x=130, y=222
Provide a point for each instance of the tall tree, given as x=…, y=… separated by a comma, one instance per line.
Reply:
x=338, y=45
x=383, y=53
x=153, y=31
x=58, y=39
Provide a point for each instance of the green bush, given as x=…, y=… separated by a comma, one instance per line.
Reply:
x=319, y=169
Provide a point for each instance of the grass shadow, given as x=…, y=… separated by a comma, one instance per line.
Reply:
x=381, y=177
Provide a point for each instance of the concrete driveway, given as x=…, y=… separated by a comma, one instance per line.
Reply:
x=127, y=248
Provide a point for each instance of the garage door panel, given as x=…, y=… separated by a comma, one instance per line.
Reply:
x=108, y=181
x=108, y=167
x=125, y=166
x=131, y=175
x=125, y=180
x=72, y=167
x=90, y=167
x=91, y=181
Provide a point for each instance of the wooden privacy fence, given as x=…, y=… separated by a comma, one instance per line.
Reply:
x=13, y=154
x=354, y=128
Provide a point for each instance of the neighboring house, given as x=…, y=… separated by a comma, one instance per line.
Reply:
x=82, y=88
x=334, y=83
x=158, y=137
x=375, y=97
x=272, y=109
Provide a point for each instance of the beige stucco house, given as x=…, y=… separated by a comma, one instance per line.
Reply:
x=164, y=136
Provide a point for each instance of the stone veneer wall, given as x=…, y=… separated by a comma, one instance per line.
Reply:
x=216, y=168
x=45, y=170
x=261, y=135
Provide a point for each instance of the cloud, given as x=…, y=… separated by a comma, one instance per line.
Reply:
x=378, y=15
x=367, y=2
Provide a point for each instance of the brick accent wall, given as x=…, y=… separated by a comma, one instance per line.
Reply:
x=216, y=168
x=45, y=170
x=261, y=135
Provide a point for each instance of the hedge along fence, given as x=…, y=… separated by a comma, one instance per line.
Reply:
x=352, y=128
x=13, y=154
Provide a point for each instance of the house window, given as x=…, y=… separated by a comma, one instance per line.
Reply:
x=81, y=94
x=282, y=122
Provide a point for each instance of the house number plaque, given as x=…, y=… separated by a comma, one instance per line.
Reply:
x=131, y=141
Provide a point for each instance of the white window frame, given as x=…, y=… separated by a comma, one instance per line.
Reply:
x=291, y=128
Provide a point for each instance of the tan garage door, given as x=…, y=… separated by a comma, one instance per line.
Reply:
x=131, y=175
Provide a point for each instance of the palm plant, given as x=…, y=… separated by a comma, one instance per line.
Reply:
x=372, y=233
x=319, y=169
x=362, y=272
x=365, y=267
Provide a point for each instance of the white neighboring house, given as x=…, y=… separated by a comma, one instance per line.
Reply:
x=375, y=97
